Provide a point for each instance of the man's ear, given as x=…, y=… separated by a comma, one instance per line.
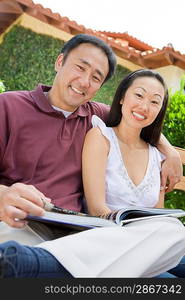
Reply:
x=59, y=61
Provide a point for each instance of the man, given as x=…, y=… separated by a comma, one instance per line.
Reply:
x=42, y=134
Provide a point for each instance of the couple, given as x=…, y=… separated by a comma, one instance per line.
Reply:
x=41, y=142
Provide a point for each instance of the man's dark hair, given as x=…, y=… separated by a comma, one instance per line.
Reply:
x=151, y=133
x=78, y=39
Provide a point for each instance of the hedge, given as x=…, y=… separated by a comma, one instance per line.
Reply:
x=28, y=58
x=174, y=130
x=2, y=86
x=107, y=91
x=174, y=125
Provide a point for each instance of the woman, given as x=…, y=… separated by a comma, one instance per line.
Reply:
x=121, y=161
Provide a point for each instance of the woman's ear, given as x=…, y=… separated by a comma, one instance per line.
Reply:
x=121, y=101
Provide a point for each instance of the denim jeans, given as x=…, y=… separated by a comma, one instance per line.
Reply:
x=178, y=271
x=24, y=261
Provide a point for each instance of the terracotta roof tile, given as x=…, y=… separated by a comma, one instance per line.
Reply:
x=26, y=2
x=10, y=7
x=124, y=45
x=132, y=40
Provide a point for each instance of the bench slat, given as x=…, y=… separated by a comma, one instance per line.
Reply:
x=181, y=184
x=182, y=154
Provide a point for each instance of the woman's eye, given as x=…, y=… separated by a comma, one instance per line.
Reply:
x=155, y=102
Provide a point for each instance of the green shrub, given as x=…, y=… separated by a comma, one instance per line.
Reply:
x=174, y=125
x=175, y=199
x=174, y=130
x=2, y=87
x=27, y=58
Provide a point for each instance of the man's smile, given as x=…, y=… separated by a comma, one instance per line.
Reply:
x=77, y=91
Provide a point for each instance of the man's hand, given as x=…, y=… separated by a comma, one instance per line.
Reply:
x=19, y=200
x=171, y=172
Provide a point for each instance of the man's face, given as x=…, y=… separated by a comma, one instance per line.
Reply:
x=79, y=77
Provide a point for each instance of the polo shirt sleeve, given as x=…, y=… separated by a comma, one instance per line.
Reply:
x=101, y=110
x=3, y=125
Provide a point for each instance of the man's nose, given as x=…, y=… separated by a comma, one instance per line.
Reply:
x=85, y=80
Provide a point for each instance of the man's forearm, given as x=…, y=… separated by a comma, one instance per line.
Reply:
x=165, y=147
x=2, y=188
x=171, y=170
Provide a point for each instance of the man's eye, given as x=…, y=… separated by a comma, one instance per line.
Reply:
x=80, y=67
x=96, y=79
x=139, y=95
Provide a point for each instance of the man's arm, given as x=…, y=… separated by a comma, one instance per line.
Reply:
x=172, y=170
x=19, y=200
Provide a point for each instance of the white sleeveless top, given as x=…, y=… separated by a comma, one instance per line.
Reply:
x=121, y=192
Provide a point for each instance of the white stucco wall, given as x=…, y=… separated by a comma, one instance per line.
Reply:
x=172, y=76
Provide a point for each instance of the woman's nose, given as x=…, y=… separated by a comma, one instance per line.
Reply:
x=145, y=105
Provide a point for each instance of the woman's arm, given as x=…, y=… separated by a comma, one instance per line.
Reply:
x=171, y=171
x=94, y=161
x=160, y=203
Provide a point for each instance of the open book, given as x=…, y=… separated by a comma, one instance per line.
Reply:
x=53, y=225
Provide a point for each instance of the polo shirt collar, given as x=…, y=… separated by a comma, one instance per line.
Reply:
x=42, y=102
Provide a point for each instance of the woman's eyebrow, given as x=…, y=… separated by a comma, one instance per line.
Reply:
x=156, y=94
x=140, y=87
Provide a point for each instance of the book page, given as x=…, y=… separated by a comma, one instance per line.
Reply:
x=174, y=215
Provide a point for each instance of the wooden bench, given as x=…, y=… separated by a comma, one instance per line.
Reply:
x=181, y=185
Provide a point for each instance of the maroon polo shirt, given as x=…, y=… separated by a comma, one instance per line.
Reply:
x=39, y=146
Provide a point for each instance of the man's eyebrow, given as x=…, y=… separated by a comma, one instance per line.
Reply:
x=89, y=65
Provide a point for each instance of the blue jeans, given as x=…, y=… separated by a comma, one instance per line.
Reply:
x=178, y=271
x=24, y=261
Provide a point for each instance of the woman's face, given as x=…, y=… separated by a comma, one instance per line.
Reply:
x=142, y=102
